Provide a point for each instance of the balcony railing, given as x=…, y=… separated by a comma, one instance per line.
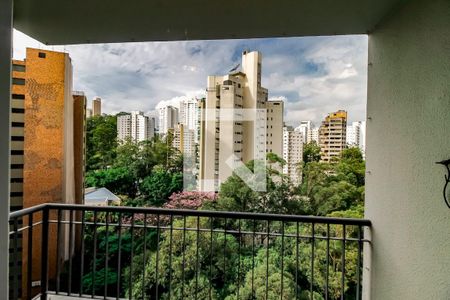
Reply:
x=151, y=253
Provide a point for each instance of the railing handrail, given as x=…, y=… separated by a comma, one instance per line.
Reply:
x=195, y=213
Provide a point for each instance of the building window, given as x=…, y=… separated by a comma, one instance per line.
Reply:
x=18, y=68
x=17, y=138
x=18, y=110
x=18, y=96
x=42, y=55
x=18, y=81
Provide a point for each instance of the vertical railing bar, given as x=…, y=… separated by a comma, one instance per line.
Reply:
x=58, y=251
x=157, y=255
x=282, y=258
x=197, y=271
x=343, y=262
x=119, y=256
x=170, y=256
x=211, y=257
x=82, y=251
x=145, y=252
x=358, y=274
x=267, y=259
x=184, y=258
x=94, y=260
x=253, y=258
x=225, y=251
x=312, y=260
x=130, y=281
x=296, y=260
x=327, y=262
x=16, y=260
x=71, y=236
x=44, y=254
x=105, y=281
x=30, y=255
x=239, y=261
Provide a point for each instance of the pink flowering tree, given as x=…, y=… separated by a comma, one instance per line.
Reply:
x=189, y=200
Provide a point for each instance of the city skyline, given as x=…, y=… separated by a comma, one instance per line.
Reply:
x=313, y=76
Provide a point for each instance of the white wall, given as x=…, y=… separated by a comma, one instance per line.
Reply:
x=408, y=130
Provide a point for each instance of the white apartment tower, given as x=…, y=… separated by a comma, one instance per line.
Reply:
x=168, y=118
x=189, y=116
x=225, y=142
x=304, y=128
x=292, y=153
x=136, y=126
x=356, y=135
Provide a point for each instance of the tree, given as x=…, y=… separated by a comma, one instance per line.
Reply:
x=311, y=152
x=159, y=185
x=119, y=180
x=101, y=143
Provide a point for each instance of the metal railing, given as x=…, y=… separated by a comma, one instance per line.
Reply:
x=152, y=253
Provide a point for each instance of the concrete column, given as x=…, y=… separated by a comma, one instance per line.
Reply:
x=6, y=14
x=408, y=130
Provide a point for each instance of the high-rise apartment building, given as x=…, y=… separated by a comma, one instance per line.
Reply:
x=47, y=144
x=332, y=135
x=168, y=118
x=292, y=153
x=304, y=128
x=189, y=115
x=274, y=126
x=135, y=125
x=356, y=135
x=226, y=137
x=313, y=135
x=183, y=139
x=88, y=112
x=96, y=106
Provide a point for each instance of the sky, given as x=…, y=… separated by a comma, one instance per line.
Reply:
x=313, y=75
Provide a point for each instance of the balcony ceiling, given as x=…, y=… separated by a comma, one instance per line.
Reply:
x=97, y=21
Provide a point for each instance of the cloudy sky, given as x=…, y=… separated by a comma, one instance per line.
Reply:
x=314, y=75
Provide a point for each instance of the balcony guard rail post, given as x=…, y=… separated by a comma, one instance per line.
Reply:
x=191, y=253
x=44, y=253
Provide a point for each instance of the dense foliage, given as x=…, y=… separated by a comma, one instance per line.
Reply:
x=219, y=266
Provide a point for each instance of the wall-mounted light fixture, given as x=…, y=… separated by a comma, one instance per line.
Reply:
x=446, y=163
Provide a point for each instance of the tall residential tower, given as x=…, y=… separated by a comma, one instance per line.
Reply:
x=227, y=137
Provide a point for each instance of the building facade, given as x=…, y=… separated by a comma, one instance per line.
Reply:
x=136, y=126
x=292, y=154
x=356, y=135
x=305, y=128
x=227, y=139
x=47, y=143
x=96, y=106
x=332, y=135
x=168, y=118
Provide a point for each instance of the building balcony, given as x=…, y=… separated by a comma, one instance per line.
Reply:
x=79, y=251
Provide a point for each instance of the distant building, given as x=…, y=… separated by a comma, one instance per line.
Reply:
x=304, y=128
x=313, y=135
x=135, y=125
x=189, y=116
x=96, y=106
x=225, y=139
x=88, y=112
x=332, y=135
x=292, y=153
x=274, y=132
x=47, y=143
x=168, y=118
x=356, y=135
x=183, y=139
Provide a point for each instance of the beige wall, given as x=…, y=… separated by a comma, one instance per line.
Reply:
x=408, y=130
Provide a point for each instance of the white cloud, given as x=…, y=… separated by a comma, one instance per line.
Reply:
x=314, y=75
